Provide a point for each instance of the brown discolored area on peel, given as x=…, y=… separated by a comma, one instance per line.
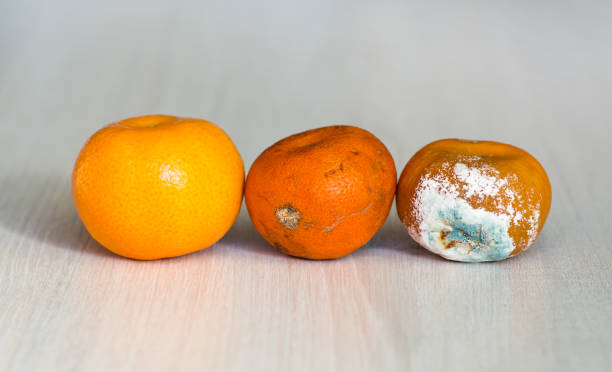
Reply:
x=288, y=216
x=445, y=243
x=444, y=235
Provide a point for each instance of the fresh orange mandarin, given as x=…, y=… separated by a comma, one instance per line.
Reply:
x=158, y=186
x=473, y=200
x=323, y=193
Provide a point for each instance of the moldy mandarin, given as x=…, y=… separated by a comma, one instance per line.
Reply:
x=473, y=200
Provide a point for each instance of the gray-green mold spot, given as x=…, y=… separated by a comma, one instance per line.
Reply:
x=483, y=239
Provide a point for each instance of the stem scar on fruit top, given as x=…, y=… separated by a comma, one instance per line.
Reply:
x=288, y=216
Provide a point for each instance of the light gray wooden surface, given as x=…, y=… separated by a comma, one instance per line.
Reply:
x=537, y=74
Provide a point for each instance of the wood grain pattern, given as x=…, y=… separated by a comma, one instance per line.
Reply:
x=535, y=74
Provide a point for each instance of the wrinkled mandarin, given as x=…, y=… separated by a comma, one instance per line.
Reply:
x=322, y=193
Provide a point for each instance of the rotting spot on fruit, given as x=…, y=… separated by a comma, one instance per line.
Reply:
x=288, y=216
x=447, y=245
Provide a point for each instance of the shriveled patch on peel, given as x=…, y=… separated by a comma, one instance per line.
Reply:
x=288, y=216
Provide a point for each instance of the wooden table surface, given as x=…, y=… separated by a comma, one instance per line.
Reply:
x=534, y=74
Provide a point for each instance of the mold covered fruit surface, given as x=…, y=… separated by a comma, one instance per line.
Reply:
x=473, y=200
x=158, y=186
x=322, y=193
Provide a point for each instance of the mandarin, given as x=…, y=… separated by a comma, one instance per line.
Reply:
x=322, y=193
x=158, y=186
x=473, y=200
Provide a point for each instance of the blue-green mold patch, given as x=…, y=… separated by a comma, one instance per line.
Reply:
x=472, y=237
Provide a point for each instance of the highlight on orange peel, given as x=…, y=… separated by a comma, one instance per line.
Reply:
x=158, y=186
x=473, y=200
x=323, y=193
